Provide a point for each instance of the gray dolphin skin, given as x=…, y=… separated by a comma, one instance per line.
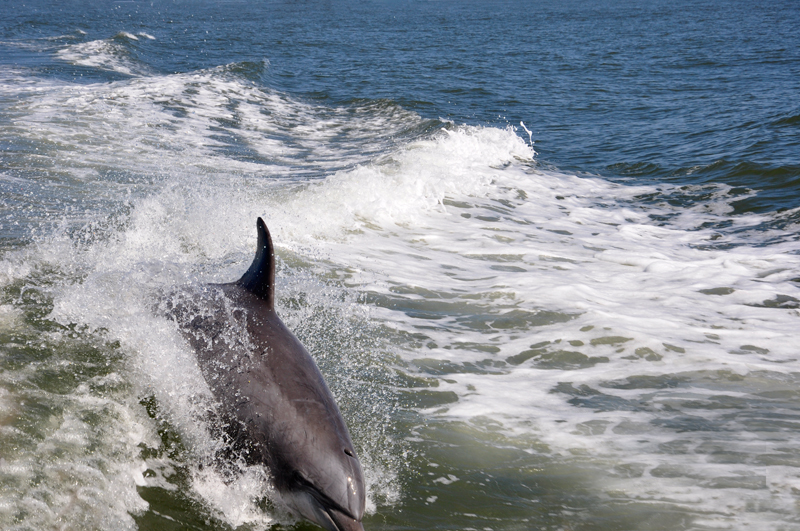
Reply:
x=275, y=404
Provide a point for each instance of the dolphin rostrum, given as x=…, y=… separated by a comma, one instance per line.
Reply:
x=272, y=398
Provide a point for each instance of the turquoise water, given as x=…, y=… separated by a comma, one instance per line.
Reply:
x=546, y=255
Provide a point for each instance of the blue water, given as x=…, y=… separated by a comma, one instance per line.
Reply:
x=554, y=247
x=641, y=89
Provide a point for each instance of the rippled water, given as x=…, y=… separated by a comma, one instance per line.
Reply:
x=546, y=255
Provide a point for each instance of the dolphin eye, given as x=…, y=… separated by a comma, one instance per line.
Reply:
x=349, y=452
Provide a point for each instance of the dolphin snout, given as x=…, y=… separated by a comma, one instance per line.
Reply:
x=312, y=506
x=344, y=522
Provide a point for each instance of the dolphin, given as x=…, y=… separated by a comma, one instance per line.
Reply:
x=272, y=398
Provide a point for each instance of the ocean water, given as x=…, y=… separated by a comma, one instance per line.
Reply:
x=547, y=255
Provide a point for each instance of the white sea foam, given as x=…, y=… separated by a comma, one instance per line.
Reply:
x=562, y=308
x=105, y=54
x=207, y=122
x=236, y=500
x=101, y=490
x=463, y=225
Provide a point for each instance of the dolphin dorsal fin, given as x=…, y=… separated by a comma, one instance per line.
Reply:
x=260, y=278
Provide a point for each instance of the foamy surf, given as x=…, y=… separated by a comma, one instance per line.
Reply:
x=112, y=55
x=503, y=338
x=577, y=323
x=559, y=310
